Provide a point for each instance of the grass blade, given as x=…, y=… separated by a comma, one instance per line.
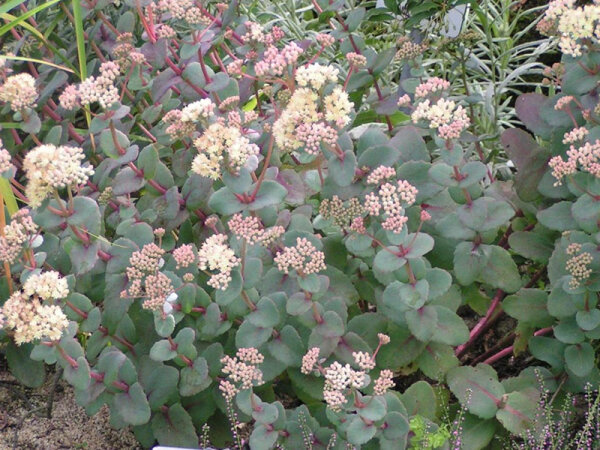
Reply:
x=7, y=193
x=10, y=5
x=78, y=19
x=13, y=23
x=43, y=39
x=38, y=61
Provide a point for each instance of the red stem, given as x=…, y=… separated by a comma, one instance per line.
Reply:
x=508, y=350
x=479, y=327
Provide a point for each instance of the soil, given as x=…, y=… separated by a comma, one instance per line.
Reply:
x=69, y=428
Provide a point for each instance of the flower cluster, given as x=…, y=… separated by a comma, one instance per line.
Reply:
x=28, y=317
x=380, y=174
x=176, y=127
x=125, y=53
x=145, y=280
x=158, y=288
x=310, y=360
x=576, y=26
x=356, y=60
x=99, y=89
x=252, y=230
x=446, y=116
x=304, y=258
x=316, y=76
x=242, y=371
x=275, y=62
x=7, y=168
x=222, y=148
x=384, y=382
x=578, y=265
x=46, y=285
x=338, y=379
x=392, y=198
x=196, y=111
x=431, y=86
x=587, y=157
x=183, y=10
x=216, y=256
x=184, y=256
x=20, y=232
x=341, y=214
x=310, y=119
x=19, y=91
x=48, y=167
x=408, y=49
x=576, y=135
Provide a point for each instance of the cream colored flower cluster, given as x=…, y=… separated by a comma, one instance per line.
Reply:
x=19, y=91
x=47, y=285
x=310, y=118
x=222, y=148
x=49, y=167
x=27, y=317
x=448, y=118
x=316, y=76
x=21, y=231
x=99, y=89
x=576, y=25
x=242, y=371
x=304, y=258
x=586, y=157
x=216, y=256
x=578, y=265
x=199, y=110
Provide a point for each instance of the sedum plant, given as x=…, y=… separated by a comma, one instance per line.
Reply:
x=207, y=234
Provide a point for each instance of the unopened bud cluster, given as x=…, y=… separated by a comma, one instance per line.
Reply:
x=578, y=265
x=100, y=89
x=242, y=371
x=253, y=231
x=340, y=212
x=19, y=233
x=7, y=168
x=342, y=379
x=586, y=157
x=390, y=199
x=145, y=279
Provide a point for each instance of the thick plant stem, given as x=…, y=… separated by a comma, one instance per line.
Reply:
x=508, y=350
x=480, y=326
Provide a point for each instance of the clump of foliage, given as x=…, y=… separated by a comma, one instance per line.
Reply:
x=208, y=221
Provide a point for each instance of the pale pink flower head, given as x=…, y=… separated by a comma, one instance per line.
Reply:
x=310, y=360
x=384, y=382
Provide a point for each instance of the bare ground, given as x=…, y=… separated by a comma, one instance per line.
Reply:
x=69, y=427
